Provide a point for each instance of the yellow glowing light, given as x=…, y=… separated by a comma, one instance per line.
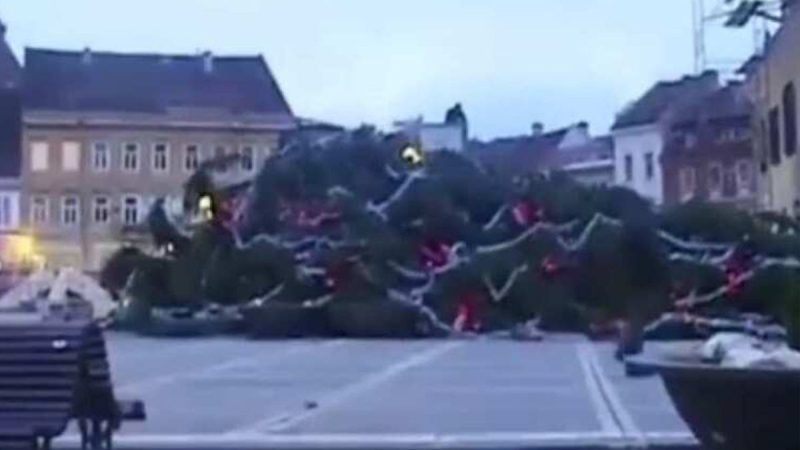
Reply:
x=20, y=249
x=205, y=202
x=412, y=155
x=22, y=246
x=205, y=207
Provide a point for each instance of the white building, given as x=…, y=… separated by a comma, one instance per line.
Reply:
x=432, y=136
x=636, y=160
x=441, y=136
x=639, y=133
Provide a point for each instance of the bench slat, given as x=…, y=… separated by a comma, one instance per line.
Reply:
x=38, y=405
x=95, y=369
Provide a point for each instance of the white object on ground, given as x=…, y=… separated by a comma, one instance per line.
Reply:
x=744, y=351
x=29, y=289
x=57, y=286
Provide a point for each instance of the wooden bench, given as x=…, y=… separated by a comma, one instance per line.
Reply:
x=54, y=372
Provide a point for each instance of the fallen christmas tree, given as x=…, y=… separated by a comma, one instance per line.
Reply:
x=366, y=236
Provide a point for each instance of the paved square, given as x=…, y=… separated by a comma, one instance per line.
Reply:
x=236, y=393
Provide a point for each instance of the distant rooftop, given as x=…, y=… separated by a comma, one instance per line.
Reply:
x=541, y=150
x=728, y=102
x=149, y=82
x=663, y=96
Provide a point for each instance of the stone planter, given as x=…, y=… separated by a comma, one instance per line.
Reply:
x=732, y=408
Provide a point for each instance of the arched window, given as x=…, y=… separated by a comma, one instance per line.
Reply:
x=774, y=136
x=789, y=120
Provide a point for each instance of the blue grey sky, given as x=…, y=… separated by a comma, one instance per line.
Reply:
x=510, y=62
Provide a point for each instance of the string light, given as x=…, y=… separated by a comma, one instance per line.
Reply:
x=412, y=155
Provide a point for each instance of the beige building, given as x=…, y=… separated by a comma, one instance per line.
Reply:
x=774, y=80
x=106, y=134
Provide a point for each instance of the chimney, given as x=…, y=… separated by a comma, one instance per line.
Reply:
x=583, y=126
x=208, y=62
x=537, y=128
x=710, y=79
x=86, y=58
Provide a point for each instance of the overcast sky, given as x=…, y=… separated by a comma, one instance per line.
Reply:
x=510, y=62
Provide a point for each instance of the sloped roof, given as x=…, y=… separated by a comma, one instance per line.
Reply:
x=664, y=95
x=729, y=102
x=151, y=83
x=517, y=155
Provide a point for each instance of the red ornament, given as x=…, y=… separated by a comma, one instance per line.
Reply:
x=734, y=284
x=338, y=273
x=527, y=213
x=434, y=254
x=467, y=314
x=550, y=267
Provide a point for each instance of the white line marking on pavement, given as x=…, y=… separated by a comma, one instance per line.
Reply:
x=626, y=422
x=602, y=409
x=332, y=399
x=156, y=382
x=257, y=441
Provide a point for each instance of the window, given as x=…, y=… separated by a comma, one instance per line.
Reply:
x=789, y=120
x=40, y=155
x=687, y=182
x=248, y=158
x=690, y=140
x=100, y=209
x=763, y=147
x=774, y=137
x=69, y=210
x=130, y=157
x=160, y=157
x=628, y=168
x=100, y=157
x=219, y=153
x=70, y=156
x=130, y=210
x=648, y=165
x=744, y=176
x=39, y=209
x=191, y=158
x=729, y=182
x=715, y=180
x=727, y=135
x=5, y=211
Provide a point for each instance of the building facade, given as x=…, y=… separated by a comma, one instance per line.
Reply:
x=106, y=134
x=708, y=154
x=774, y=82
x=640, y=132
